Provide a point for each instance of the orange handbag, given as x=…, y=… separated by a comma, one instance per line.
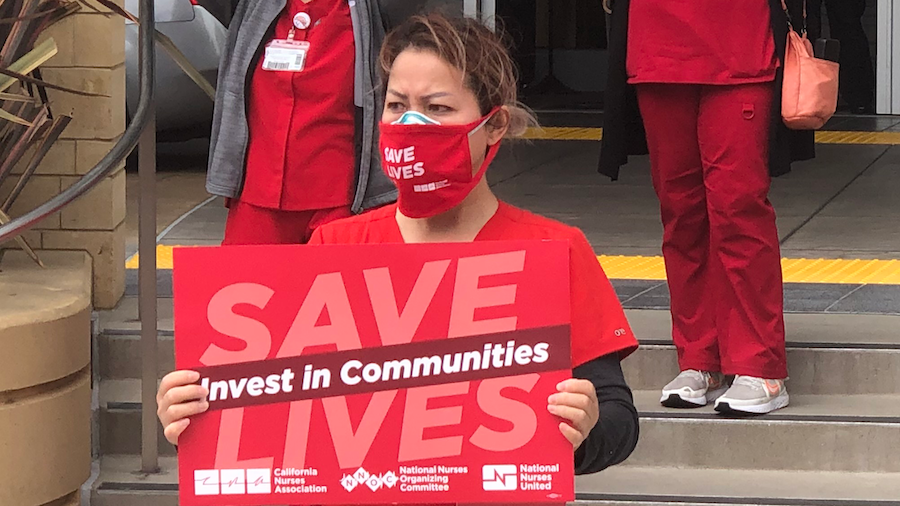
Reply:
x=810, y=92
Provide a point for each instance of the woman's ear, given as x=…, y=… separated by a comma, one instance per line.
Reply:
x=497, y=126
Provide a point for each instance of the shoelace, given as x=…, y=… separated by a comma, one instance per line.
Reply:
x=751, y=382
x=691, y=373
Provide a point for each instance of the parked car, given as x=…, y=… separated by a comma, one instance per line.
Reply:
x=183, y=110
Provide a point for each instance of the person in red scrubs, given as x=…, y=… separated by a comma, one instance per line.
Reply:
x=292, y=143
x=704, y=73
x=301, y=159
x=451, y=95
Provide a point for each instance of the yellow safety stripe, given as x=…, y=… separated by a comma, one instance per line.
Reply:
x=823, y=137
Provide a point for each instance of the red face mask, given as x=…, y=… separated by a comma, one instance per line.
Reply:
x=431, y=165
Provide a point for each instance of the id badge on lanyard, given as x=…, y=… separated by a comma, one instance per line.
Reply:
x=289, y=55
x=286, y=55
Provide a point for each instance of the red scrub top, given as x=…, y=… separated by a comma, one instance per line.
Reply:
x=599, y=326
x=301, y=154
x=700, y=42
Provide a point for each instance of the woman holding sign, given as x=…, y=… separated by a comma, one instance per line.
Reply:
x=451, y=100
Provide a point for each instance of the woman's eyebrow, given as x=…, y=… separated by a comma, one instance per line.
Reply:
x=430, y=96
x=439, y=94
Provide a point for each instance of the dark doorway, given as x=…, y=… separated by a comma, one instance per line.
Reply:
x=560, y=46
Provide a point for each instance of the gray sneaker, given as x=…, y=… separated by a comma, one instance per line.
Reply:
x=749, y=395
x=693, y=389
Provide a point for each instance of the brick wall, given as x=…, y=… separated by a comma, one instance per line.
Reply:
x=91, y=58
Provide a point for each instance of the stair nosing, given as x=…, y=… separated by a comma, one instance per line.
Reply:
x=667, y=343
x=794, y=345
x=698, y=417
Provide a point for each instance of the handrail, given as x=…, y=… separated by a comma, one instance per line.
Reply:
x=147, y=289
x=122, y=148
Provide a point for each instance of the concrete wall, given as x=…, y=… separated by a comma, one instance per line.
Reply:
x=91, y=58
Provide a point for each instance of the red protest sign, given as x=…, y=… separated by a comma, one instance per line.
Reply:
x=375, y=374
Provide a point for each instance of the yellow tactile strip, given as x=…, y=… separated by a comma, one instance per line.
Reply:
x=824, y=137
x=796, y=270
x=164, y=258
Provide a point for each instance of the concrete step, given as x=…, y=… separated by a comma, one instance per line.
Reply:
x=847, y=433
x=828, y=354
x=812, y=330
x=121, y=484
x=120, y=354
x=646, y=486
x=815, y=433
x=120, y=419
x=813, y=370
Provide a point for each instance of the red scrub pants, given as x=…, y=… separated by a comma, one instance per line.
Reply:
x=709, y=156
x=253, y=225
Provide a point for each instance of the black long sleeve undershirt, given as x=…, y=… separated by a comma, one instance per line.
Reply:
x=616, y=433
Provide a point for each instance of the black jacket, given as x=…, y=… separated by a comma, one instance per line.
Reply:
x=623, y=128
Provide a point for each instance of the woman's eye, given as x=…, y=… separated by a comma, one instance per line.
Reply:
x=396, y=106
x=439, y=108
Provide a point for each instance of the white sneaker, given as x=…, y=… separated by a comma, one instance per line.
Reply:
x=749, y=395
x=693, y=389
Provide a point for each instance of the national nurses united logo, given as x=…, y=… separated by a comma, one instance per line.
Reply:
x=373, y=482
x=500, y=478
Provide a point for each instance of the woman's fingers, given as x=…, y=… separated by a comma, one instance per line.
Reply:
x=580, y=401
x=173, y=430
x=186, y=393
x=184, y=410
x=575, y=437
x=174, y=380
x=576, y=402
x=577, y=386
x=178, y=399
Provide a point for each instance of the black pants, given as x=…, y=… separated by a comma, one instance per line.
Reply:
x=857, y=71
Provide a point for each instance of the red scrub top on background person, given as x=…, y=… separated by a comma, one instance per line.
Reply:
x=301, y=154
x=599, y=326
x=700, y=42
x=300, y=169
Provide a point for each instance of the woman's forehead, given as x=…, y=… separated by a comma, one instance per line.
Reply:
x=414, y=66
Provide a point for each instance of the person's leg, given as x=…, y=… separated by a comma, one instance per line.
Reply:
x=670, y=117
x=857, y=79
x=734, y=140
x=252, y=225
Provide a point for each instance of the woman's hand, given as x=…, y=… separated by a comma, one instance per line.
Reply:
x=178, y=399
x=576, y=403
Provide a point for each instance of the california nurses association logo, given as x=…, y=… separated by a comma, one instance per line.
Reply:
x=232, y=481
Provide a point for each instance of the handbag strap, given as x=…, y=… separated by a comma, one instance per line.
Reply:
x=791, y=21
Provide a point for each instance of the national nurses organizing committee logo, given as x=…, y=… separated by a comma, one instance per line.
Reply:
x=373, y=482
x=232, y=481
x=500, y=478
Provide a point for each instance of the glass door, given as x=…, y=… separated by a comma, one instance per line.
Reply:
x=888, y=65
